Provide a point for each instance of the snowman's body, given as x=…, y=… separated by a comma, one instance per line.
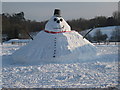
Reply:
x=57, y=43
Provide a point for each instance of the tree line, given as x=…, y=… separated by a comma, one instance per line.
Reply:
x=98, y=21
x=16, y=26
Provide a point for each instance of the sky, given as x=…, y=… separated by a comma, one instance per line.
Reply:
x=41, y=11
x=60, y=0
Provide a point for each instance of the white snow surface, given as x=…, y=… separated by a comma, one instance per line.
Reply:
x=18, y=41
x=100, y=72
x=66, y=47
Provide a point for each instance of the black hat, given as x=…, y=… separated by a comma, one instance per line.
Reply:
x=57, y=13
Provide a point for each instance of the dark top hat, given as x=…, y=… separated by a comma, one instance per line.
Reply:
x=57, y=13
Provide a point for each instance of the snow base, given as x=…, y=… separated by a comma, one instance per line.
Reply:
x=55, y=48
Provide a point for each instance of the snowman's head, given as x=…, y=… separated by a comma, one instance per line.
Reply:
x=57, y=23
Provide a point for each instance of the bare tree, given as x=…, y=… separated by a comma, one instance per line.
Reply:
x=116, y=34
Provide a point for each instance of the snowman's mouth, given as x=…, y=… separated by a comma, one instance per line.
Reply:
x=59, y=27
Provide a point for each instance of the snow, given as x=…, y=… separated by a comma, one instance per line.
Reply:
x=61, y=60
x=101, y=72
x=66, y=47
x=19, y=41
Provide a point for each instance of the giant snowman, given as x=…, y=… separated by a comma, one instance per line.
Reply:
x=56, y=44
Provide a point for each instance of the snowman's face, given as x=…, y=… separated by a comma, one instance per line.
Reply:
x=57, y=24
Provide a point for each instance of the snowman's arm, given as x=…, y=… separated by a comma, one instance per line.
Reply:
x=28, y=34
x=88, y=33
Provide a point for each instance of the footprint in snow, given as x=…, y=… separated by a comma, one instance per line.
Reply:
x=61, y=77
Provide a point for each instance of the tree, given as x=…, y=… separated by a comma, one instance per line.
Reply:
x=97, y=36
x=116, y=16
x=115, y=35
x=16, y=26
x=99, y=21
x=111, y=21
x=12, y=24
x=16, y=23
x=104, y=37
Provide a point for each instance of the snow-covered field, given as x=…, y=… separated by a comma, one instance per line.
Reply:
x=101, y=72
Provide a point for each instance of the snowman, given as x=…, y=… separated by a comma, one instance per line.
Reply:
x=56, y=44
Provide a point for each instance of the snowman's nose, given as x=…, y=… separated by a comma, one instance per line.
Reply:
x=58, y=21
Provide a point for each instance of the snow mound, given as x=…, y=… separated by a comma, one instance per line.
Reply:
x=19, y=41
x=55, y=48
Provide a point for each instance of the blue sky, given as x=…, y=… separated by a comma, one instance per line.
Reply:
x=41, y=11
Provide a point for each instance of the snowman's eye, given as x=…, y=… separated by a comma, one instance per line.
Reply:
x=55, y=19
x=61, y=20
